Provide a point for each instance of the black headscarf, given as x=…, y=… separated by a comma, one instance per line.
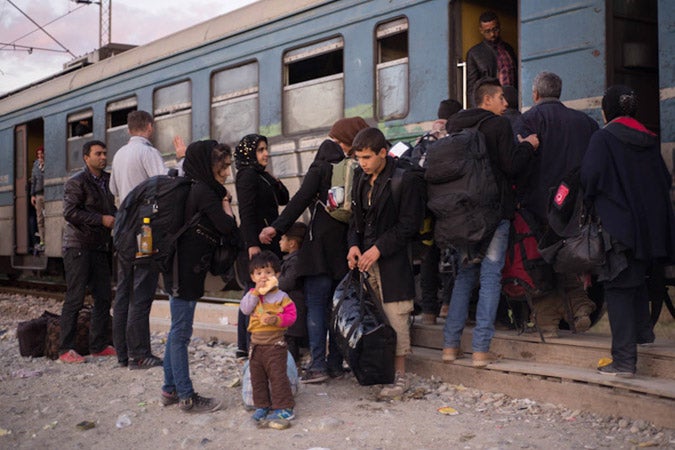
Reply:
x=619, y=100
x=245, y=152
x=198, y=165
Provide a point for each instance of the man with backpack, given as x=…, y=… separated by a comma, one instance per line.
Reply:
x=388, y=212
x=485, y=252
x=564, y=134
x=321, y=259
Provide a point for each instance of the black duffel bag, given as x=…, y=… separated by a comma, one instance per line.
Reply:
x=362, y=331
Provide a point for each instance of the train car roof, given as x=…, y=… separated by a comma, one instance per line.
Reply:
x=228, y=24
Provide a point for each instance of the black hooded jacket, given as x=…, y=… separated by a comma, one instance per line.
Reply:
x=324, y=248
x=625, y=176
x=508, y=159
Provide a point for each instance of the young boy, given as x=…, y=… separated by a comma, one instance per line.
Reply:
x=291, y=283
x=271, y=312
x=383, y=224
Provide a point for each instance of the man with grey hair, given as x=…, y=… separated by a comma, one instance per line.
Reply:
x=564, y=134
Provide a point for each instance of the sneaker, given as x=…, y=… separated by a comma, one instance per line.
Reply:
x=199, y=404
x=582, y=323
x=122, y=363
x=108, y=351
x=451, y=354
x=428, y=319
x=313, y=376
x=169, y=399
x=444, y=311
x=482, y=359
x=281, y=414
x=71, y=357
x=260, y=414
x=612, y=370
x=397, y=389
x=145, y=363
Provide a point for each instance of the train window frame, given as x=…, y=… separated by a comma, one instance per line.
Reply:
x=75, y=141
x=384, y=31
x=300, y=96
x=220, y=100
x=116, y=132
x=167, y=115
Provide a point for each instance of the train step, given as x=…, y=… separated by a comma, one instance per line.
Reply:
x=29, y=262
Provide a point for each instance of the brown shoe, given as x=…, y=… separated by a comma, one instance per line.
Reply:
x=444, y=311
x=428, y=319
x=482, y=359
x=451, y=354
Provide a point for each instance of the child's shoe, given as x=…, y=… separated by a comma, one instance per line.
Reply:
x=260, y=414
x=285, y=414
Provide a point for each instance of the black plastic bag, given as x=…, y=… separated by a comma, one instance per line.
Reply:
x=362, y=331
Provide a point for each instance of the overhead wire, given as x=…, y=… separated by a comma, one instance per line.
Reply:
x=41, y=28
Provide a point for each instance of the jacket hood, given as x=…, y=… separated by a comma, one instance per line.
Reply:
x=466, y=118
x=330, y=152
x=632, y=132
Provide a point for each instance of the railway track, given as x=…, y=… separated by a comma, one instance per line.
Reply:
x=561, y=371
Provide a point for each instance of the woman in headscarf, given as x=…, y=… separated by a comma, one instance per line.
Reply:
x=259, y=195
x=625, y=177
x=207, y=163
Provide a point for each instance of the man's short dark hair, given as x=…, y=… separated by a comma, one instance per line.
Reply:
x=264, y=259
x=371, y=138
x=86, y=148
x=139, y=120
x=485, y=86
x=448, y=108
x=488, y=16
x=547, y=84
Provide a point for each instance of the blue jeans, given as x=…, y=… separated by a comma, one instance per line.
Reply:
x=176, y=366
x=490, y=270
x=319, y=302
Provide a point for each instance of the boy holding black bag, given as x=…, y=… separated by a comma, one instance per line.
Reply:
x=384, y=222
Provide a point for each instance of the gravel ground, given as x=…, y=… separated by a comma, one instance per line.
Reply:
x=42, y=401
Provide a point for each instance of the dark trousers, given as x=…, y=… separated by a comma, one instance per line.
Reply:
x=131, y=313
x=269, y=379
x=86, y=268
x=431, y=280
x=628, y=312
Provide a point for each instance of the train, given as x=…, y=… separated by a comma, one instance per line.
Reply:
x=289, y=69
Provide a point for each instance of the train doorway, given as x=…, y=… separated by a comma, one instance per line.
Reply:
x=28, y=138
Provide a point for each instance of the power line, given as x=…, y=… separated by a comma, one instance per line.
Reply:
x=10, y=46
x=40, y=27
x=44, y=25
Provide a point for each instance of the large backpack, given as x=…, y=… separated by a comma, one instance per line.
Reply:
x=161, y=198
x=339, y=200
x=462, y=190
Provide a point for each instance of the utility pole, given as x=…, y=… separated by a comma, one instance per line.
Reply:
x=104, y=20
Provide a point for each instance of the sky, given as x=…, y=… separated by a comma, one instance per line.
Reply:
x=75, y=27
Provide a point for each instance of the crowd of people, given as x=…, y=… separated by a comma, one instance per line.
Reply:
x=288, y=299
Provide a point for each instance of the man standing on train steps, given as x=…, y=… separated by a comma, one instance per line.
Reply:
x=135, y=162
x=89, y=211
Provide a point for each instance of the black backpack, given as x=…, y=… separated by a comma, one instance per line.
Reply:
x=161, y=198
x=462, y=190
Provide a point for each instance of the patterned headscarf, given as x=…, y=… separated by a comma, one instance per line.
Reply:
x=245, y=152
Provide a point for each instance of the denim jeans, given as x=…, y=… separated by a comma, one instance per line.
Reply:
x=319, y=302
x=490, y=271
x=176, y=366
x=131, y=312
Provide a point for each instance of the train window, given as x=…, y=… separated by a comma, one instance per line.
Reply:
x=313, y=81
x=234, y=103
x=173, y=115
x=79, y=131
x=116, y=133
x=392, y=69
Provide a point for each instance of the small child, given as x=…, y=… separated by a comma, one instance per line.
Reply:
x=271, y=312
x=290, y=282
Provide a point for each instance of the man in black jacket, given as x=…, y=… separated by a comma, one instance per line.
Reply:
x=564, y=134
x=89, y=210
x=507, y=160
x=384, y=222
x=492, y=58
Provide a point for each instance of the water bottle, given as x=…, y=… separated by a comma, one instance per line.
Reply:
x=146, y=237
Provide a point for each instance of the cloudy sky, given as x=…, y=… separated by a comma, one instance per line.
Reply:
x=75, y=27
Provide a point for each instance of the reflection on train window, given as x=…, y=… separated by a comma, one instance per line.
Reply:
x=79, y=131
x=234, y=103
x=392, y=69
x=173, y=115
x=313, y=86
x=116, y=133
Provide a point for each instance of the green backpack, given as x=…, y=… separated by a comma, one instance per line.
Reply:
x=339, y=200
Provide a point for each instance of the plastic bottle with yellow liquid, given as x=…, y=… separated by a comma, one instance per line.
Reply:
x=146, y=238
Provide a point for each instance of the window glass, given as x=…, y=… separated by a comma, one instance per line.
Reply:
x=116, y=133
x=392, y=82
x=234, y=103
x=80, y=125
x=172, y=109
